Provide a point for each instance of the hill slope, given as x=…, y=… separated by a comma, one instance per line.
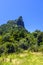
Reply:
x=15, y=38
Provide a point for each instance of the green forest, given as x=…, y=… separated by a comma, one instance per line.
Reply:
x=14, y=38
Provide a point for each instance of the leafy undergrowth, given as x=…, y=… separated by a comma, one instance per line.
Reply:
x=25, y=58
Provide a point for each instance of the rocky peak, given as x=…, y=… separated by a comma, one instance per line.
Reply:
x=20, y=21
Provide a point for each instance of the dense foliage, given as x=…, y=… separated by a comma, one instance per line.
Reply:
x=15, y=38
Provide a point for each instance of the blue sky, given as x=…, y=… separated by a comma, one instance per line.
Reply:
x=31, y=10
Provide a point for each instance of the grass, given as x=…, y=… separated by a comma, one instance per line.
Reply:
x=25, y=58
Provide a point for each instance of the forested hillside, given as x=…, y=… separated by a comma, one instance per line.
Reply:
x=15, y=38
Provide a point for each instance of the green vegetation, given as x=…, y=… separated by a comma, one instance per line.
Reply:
x=14, y=38
x=25, y=58
x=18, y=46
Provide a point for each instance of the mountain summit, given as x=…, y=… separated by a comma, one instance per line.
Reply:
x=18, y=22
x=12, y=25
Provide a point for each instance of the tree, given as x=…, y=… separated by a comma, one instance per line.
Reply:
x=2, y=49
x=40, y=38
x=6, y=37
x=10, y=48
